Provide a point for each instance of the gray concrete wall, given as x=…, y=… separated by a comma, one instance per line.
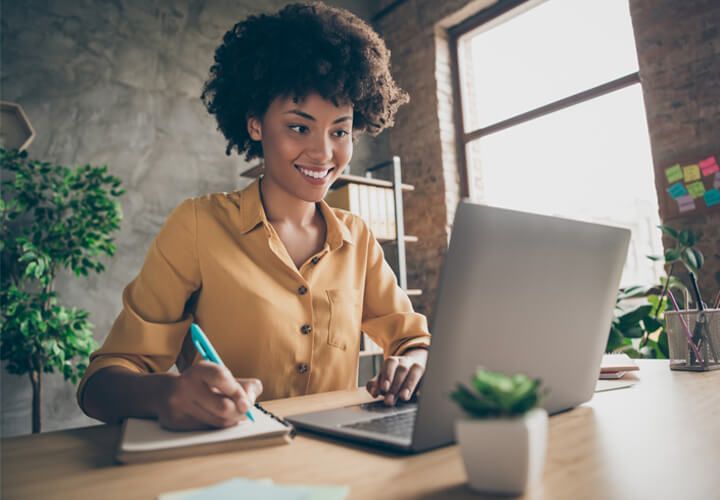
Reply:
x=118, y=83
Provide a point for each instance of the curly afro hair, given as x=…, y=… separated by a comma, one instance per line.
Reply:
x=302, y=49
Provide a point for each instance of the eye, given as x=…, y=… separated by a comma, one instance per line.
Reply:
x=300, y=129
x=341, y=133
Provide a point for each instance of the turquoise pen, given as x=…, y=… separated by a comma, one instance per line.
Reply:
x=207, y=351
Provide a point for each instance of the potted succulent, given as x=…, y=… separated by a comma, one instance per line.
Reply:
x=503, y=440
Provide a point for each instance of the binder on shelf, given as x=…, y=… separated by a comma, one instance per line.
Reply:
x=368, y=202
x=378, y=203
x=390, y=210
x=346, y=197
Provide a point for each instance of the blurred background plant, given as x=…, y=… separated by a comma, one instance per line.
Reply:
x=638, y=326
x=52, y=218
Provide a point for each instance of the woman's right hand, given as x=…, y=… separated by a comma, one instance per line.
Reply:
x=206, y=395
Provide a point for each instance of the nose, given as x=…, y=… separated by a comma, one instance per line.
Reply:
x=320, y=149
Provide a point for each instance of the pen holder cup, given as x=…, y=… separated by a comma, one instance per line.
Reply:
x=694, y=339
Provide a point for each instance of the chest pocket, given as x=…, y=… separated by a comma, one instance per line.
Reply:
x=345, y=314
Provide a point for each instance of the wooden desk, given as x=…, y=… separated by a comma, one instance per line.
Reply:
x=658, y=439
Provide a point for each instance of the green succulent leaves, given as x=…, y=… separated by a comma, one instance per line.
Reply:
x=495, y=394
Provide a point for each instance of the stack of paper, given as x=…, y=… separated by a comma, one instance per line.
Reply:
x=260, y=490
x=615, y=365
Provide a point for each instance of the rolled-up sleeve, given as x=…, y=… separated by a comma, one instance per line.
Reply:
x=388, y=315
x=148, y=333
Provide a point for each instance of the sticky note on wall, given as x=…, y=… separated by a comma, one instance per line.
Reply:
x=696, y=189
x=709, y=166
x=677, y=190
x=674, y=173
x=691, y=173
x=685, y=203
x=712, y=197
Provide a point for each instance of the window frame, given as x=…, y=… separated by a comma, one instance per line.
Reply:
x=463, y=138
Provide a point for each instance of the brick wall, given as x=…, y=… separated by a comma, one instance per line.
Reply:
x=424, y=133
x=679, y=47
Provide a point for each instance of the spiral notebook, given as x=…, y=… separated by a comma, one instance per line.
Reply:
x=145, y=440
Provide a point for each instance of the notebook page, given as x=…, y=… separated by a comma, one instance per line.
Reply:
x=146, y=435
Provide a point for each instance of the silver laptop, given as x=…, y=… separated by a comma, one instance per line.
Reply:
x=518, y=292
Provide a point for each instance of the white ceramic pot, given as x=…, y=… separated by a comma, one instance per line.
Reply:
x=504, y=455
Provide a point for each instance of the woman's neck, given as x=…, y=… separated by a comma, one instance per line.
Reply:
x=282, y=208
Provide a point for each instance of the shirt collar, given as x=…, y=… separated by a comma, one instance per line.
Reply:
x=252, y=213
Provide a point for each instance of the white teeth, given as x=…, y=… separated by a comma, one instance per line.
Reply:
x=314, y=174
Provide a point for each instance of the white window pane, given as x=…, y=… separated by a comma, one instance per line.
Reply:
x=587, y=162
x=553, y=50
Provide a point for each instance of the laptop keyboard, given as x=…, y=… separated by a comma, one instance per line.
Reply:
x=397, y=424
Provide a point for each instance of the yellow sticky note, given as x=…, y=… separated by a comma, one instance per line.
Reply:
x=696, y=189
x=691, y=173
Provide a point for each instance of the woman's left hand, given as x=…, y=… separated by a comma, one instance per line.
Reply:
x=399, y=376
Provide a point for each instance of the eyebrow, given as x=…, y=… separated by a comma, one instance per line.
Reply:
x=312, y=118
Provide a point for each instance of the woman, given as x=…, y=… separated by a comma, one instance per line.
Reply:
x=281, y=283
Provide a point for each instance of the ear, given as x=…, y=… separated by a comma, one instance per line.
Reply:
x=254, y=127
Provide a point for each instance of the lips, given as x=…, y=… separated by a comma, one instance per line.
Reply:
x=314, y=173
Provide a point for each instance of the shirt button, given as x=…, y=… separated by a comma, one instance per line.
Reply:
x=305, y=329
x=315, y=260
x=302, y=368
x=302, y=290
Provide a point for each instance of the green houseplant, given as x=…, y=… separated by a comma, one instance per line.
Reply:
x=498, y=395
x=52, y=218
x=639, y=331
x=503, y=439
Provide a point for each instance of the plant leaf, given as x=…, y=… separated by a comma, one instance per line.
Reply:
x=669, y=231
x=671, y=255
x=634, y=316
x=689, y=259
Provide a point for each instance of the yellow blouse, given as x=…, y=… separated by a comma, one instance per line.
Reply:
x=219, y=262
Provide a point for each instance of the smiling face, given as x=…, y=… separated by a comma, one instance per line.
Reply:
x=306, y=143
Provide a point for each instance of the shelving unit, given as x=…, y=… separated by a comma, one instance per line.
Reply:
x=398, y=243
x=396, y=184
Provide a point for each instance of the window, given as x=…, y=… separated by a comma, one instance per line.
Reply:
x=553, y=120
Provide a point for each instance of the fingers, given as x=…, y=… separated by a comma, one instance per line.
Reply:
x=207, y=395
x=397, y=380
x=213, y=418
x=401, y=372
x=373, y=387
x=253, y=388
x=220, y=406
x=411, y=382
x=387, y=373
x=219, y=378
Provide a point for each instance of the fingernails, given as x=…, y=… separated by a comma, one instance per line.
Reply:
x=405, y=394
x=390, y=399
x=386, y=385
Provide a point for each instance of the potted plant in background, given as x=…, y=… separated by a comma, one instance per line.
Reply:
x=503, y=440
x=638, y=330
x=51, y=217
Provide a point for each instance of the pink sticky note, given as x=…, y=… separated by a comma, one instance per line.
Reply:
x=707, y=162
x=709, y=169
